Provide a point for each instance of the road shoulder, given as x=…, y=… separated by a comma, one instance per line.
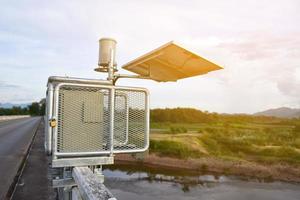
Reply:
x=35, y=181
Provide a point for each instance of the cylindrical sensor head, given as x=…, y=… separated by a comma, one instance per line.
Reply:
x=107, y=47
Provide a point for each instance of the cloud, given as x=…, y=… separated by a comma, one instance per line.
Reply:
x=4, y=85
x=11, y=93
x=289, y=83
x=257, y=43
x=260, y=46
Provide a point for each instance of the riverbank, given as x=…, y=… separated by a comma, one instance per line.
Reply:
x=266, y=172
x=249, y=146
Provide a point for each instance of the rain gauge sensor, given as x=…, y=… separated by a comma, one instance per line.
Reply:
x=88, y=121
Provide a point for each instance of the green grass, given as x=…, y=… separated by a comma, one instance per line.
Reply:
x=265, y=142
x=175, y=130
x=166, y=125
x=173, y=149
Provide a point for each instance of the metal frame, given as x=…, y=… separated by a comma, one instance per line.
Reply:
x=64, y=79
x=48, y=129
x=112, y=88
x=83, y=161
x=127, y=116
x=112, y=118
x=52, y=81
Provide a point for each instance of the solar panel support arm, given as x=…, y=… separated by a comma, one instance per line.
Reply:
x=118, y=76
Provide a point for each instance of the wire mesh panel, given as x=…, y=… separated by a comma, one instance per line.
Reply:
x=134, y=112
x=121, y=119
x=83, y=119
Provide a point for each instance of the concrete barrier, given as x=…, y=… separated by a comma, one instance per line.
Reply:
x=10, y=117
x=90, y=187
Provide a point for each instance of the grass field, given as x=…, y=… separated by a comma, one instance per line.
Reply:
x=259, y=142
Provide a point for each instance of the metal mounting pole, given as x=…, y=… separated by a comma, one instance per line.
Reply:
x=111, y=119
x=111, y=101
x=111, y=67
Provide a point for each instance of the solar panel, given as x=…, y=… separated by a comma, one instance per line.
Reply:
x=170, y=62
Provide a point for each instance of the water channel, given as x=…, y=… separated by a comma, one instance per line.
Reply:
x=129, y=182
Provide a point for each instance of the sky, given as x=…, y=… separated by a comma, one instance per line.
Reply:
x=257, y=43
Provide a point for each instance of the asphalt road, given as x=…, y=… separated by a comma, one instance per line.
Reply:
x=15, y=138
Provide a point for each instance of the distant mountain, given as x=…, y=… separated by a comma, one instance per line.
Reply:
x=284, y=112
x=10, y=105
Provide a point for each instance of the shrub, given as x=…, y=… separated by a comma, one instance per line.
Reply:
x=200, y=130
x=226, y=125
x=173, y=148
x=178, y=129
x=204, y=168
x=296, y=129
x=268, y=130
x=211, y=130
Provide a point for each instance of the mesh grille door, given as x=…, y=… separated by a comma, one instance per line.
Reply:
x=83, y=116
x=135, y=113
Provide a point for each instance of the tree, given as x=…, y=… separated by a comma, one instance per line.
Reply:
x=34, y=109
x=42, y=105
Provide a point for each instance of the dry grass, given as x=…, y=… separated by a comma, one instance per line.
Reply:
x=249, y=142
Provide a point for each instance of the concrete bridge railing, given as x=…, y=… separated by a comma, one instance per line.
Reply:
x=89, y=186
x=10, y=117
